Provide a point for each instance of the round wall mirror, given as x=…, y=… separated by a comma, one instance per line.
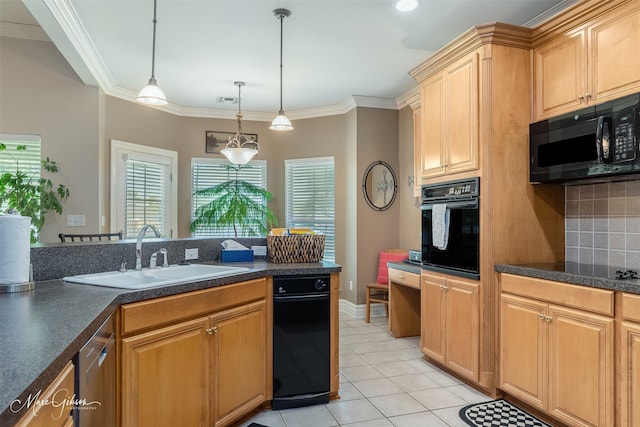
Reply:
x=379, y=185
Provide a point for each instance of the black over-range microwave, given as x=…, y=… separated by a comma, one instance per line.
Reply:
x=598, y=143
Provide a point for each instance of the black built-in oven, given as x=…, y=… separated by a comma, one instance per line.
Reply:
x=461, y=255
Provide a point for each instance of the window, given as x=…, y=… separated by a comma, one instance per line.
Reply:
x=208, y=172
x=145, y=191
x=309, y=197
x=27, y=160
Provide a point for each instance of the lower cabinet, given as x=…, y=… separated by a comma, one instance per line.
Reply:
x=555, y=357
x=450, y=323
x=208, y=370
x=630, y=360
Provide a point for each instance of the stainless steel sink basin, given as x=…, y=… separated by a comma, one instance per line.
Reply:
x=161, y=276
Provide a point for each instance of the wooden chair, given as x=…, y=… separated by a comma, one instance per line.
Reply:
x=379, y=292
x=89, y=237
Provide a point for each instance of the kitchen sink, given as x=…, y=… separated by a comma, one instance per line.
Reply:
x=161, y=276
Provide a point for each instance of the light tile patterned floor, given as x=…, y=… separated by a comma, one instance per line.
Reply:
x=384, y=382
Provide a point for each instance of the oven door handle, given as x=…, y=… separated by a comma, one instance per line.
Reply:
x=468, y=204
x=301, y=298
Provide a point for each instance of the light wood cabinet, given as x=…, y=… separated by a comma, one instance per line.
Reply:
x=239, y=361
x=196, y=359
x=450, y=323
x=589, y=63
x=449, y=108
x=557, y=358
x=630, y=361
x=56, y=412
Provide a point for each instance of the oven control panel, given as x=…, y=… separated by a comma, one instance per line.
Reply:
x=451, y=190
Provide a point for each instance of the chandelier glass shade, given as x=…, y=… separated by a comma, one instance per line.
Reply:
x=240, y=149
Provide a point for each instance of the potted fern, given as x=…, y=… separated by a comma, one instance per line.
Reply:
x=32, y=198
x=235, y=202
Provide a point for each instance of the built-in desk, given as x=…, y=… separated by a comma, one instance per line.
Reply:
x=404, y=300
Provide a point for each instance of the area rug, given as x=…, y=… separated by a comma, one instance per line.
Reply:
x=498, y=413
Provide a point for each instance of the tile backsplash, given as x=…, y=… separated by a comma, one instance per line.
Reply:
x=602, y=224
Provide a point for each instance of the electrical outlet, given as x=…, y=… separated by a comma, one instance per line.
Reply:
x=75, y=220
x=191, y=253
x=259, y=250
x=350, y=285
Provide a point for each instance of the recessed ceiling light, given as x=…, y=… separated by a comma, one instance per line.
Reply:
x=406, y=5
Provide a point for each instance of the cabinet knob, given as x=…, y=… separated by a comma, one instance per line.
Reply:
x=541, y=316
x=587, y=95
x=580, y=96
x=211, y=330
x=402, y=276
x=548, y=318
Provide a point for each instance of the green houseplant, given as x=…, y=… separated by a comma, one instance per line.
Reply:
x=32, y=198
x=233, y=204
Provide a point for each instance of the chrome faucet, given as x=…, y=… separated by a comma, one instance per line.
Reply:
x=139, y=244
x=154, y=258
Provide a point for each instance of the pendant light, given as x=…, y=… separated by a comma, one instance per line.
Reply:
x=240, y=150
x=406, y=5
x=281, y=122
x=151, y=94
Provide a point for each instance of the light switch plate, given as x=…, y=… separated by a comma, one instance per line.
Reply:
x=259, y=250
x=191, y=253
x=76, y=220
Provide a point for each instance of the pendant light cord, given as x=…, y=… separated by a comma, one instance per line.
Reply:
x=281, y=16
x=153, y=48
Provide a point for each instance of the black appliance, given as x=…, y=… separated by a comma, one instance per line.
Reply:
x=301, y=341
x=598, y=143
x=461, y=256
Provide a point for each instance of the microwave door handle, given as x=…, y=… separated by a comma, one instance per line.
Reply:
x=603, y=144
x=599, y=127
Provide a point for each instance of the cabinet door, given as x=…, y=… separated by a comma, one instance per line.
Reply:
x=462, y=327
x=239, y=361
x=432, y=318
x=461, y=115
x=630, y=378
x=560, y=75
x=523, y=349
x=432, y=110
x=165, y=377
x=581, y=367
x=614, y=70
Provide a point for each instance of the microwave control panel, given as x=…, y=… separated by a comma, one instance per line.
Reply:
x=625, y=133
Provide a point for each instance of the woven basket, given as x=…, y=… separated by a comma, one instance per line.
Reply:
x=296, y=248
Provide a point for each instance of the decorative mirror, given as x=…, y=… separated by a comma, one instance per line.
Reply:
x=379, y=185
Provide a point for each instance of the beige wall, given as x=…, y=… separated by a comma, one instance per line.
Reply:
x=40, y=94
x=409, y=206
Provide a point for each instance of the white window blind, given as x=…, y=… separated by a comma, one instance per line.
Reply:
x=27, y=161
x=208, y=172
x=144, y=191
x=145, y=196
x=310, y=198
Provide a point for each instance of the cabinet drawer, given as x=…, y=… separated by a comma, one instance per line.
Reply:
x=52, y=414
x=582, y=297
x=163, y=311
x=631, y=307
x=409, y=279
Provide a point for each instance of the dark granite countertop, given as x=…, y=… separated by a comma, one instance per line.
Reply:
x=41, y=330
x=593, y=275
x=408, y=266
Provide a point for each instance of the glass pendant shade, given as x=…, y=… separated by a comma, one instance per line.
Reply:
x=151, y=94
x=281, y=123
x=239, y=155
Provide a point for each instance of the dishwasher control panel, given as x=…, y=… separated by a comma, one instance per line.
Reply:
x=300, y=285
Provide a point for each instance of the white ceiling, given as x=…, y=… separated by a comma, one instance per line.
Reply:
x=336, y=53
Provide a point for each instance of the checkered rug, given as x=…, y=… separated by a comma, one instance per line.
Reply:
x=498, y=413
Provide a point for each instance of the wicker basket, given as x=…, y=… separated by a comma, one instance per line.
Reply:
x=296, y=248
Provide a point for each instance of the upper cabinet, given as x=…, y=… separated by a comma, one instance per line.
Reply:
x=450, y=119
x=588, y=59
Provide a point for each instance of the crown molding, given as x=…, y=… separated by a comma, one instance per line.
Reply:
x=23, y=31
x=550, y=13
x=410, y=98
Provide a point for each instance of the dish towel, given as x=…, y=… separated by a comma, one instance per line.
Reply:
x=440, y=225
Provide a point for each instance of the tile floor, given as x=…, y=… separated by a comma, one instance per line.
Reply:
x=384, y=381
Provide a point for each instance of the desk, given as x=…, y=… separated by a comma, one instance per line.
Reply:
x=404, y=300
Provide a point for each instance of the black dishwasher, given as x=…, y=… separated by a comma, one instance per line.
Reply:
x=301, y=341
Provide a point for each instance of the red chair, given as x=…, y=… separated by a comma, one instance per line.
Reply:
x=379, y=292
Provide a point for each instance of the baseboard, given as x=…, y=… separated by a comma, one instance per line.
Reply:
x=358, y=311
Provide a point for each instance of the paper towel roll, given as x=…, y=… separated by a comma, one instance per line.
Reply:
x=15, y=249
